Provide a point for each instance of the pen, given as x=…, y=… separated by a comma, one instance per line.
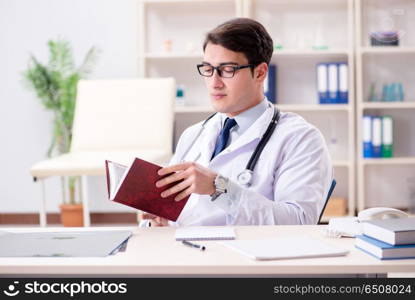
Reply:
x=200, y=247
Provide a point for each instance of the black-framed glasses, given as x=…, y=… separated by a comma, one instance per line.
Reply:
x=224, y=71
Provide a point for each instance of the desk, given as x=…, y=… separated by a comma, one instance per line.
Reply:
x=153, y=252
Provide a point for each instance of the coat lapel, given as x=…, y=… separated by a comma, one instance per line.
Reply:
x=205, y=144
x=208, y=141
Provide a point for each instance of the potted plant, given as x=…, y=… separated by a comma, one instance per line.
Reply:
x=55, y=85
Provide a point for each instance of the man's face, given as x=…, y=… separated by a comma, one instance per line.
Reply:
x=230, y=95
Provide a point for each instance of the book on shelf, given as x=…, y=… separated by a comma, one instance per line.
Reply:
x=382, y=250
x=135, y=186
x=394, y=231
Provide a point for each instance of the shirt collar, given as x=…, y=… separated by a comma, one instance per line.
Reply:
x=245, y=119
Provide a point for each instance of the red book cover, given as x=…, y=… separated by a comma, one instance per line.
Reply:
x=138, y=189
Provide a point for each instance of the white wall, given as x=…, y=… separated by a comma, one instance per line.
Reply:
x=25, y=127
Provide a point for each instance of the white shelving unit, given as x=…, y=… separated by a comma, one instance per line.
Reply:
x=298, y=25
x=386, y=181
x=295, y=24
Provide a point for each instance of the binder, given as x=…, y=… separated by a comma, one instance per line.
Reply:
x=322, y=83
x=343, y=83
x=367, y=137
x=270, y=84
x=387, y=136
x=333, y=83
x=377, y=136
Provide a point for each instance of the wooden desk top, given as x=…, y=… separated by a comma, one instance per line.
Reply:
x=154, y=252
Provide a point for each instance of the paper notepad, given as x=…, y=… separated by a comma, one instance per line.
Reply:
x=285, y=248
x=204, y=233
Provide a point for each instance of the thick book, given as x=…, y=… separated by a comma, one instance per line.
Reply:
x=135, y=186
x=382, y=250
x=392, y=231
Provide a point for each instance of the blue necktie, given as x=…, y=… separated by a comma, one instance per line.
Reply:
x=223, y=137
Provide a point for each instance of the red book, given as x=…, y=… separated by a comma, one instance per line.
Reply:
x=135, y=186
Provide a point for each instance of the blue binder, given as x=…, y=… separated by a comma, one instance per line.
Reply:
x=333, y=82
x=270, y=85
x=367, y=137
x=377, y=136
x=343, y=96
x=322, y=83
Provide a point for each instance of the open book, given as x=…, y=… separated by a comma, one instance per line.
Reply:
x=135, y=186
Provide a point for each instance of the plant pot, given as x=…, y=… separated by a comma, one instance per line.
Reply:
x=72, y=215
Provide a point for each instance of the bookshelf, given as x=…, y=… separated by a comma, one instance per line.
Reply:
x=386, y=181
x=327, y=21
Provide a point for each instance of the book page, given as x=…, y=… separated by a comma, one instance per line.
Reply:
x=117, y=173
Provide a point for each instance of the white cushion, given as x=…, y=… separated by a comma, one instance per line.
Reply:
x=116, y=120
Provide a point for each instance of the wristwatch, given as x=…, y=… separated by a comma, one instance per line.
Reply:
x=221, y=186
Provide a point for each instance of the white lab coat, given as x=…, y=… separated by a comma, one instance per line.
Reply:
x=290, y=181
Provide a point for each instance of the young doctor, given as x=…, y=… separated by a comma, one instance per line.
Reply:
x=248, y=164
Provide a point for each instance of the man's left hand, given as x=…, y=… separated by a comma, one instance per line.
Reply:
x=195, y=179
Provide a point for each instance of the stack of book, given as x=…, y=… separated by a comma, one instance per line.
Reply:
x=388, y=238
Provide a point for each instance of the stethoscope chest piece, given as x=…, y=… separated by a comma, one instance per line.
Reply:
x=245, y=177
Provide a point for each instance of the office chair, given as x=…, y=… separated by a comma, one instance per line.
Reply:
x=332, y=186
x=116, y=120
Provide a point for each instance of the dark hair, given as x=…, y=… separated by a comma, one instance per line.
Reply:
x=243, y=35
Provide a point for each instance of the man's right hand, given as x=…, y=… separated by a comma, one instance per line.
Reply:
x=155, y=221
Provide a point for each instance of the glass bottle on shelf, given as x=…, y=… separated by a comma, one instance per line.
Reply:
x=180, y=98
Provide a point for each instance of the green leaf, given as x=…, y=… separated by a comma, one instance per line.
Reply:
x=55, y=84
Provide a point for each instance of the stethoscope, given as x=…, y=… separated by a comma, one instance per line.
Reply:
x=245, y=177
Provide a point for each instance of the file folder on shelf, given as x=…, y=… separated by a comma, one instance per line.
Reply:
x=270, y=84
x=343, y=83
x=322, y=83
x=333, y=83
x=377, y=136
x=387, y=136
x=367, y=137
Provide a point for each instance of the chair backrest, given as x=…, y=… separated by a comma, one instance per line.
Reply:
x=332, y=186
x=124, y=114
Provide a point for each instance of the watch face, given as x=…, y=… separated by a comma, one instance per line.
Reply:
x=221, y=183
